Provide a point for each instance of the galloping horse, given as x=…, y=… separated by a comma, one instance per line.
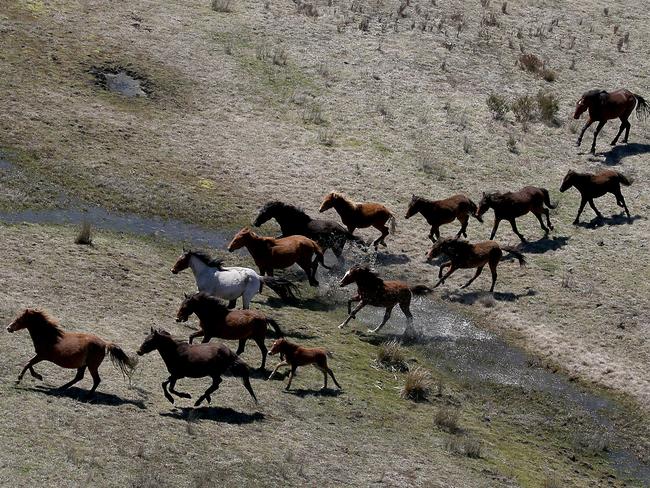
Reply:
x=463, y=254
x=232, y=282
x=510, y=205
x=440, y=212
x=215, y=320
x=596, y=185
x=604, y=106
x=68, y=349
x=360, y=215
x=270, y=253
x=295, y=355
x=372, y=290
x=185, y=360
x=293, y=221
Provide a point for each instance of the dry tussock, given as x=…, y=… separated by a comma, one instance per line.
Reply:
x=417, y=386
x=391, y=354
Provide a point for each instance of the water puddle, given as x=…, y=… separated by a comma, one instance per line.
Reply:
x=120, y=81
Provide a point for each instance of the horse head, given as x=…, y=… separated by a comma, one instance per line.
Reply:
x=241, y=239
x=183, y=261
x=414, y=207
x=151, y=341
x=567, y=182
x=485, y=204
x=328, y=201
x=266, y=213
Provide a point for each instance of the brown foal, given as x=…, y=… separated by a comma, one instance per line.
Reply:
x=440, y=212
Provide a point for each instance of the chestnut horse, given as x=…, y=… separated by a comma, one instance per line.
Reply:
x=464, y=255
x=361, y=215
x=604, y=106
x=440, y=212
x=510, y=205
x=596, y=185
x=294, y=355
x=216, y=320
x=270, y=253
x=185, y=360
x=75, y=350
x=372, y=290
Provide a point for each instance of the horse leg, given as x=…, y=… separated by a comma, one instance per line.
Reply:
x=324, y=371
x=621, y=202
x=94, y=372
x=479, y=270
x=627, y=131
x=29, y=366
x=584, y=129
x=463, y=226
x=240, y=349
x=260, y=343
x=331, y=373
x=406, y=309
x=513, y=224
x=172, y=389
x=541, y=222
x=548, y=218
x=355, y=298
x=583, y=202
x=620, y=131
x=310, y=270
x=431, y=232
x=380, y=240
x=196, y=334
x=281, y=363
x=442, y=266
x=493, y=269
x=442, y=280
x=232, y=303
x=600, y=125
x=593, y=207
x=352, y=314
x=216, y=380
x=494, y=229
x=78, y=377
x=293, y=372
x=164, y=388
x=383, y=322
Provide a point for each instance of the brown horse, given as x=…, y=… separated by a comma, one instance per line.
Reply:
x=361, y=215
x=295, y=355
x=271, y=253
x=440, y=212
x=596, y=185
x=510, y=205
x=75, y=350
x=216, y=320
x=185, y=360
x=605, y=106
x=464, y=255
x=372, y=290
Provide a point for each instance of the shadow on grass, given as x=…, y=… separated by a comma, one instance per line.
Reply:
x=541, y=246
x=388, y=259
x=618, y=219
x=302, y=393
x=82, y=396
x=224, y=415
x=471, y=297
x=313, y=304
x=617, y=153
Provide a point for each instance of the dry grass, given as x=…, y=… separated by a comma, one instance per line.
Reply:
x=85, y=236
x=447, y=419
x=392, y=355
x=417, y=385
x=498, y=105
x=222, y=5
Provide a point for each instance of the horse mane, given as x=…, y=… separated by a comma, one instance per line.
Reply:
x=216, y=305
x=295, y=213
x=341, y=196
x=597, y=96
x=592, y=93
x=50, y=329
x=369, y=276
x=206, y=259
x=456, y=245
x=165, y=333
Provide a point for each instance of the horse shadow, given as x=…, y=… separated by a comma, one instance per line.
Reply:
x=224, y=415
x=542, y=245
x=472, y=297
x=325, y=392
x=82, y=396
x=618, y=219
x=389, y=259
x=617, y=153
x=313, y=304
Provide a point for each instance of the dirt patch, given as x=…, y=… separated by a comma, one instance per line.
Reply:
x=121, y=81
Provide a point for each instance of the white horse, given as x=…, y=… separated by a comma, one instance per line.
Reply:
x=232, y=282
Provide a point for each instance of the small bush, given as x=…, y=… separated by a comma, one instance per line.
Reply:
x=326, y=137
x=548, y=75
x=467, y=145
x=524, y=109
x=504, y=8
x=364, y=24
x=307, y=9
x=531, y=63
x=280, y=56
x=417, y=386
x=313, y=115
x=473, y=448
x=498, y=105
x=548, y=106
x=221, y=5
x=85, y=237
x=391, y=355
x=447, y=419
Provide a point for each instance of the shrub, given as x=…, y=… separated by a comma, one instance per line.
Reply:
x=548, y=106
x=280, y=56
x=447, y=419
x=313, y=115
x=498, y=105
x=549, y=75
x=85, y=237
x=391, y=355
x=531, y=63
x=473, y=448
x=524, y=109
x=417, y=386
x=221, y=5
x=307, y=9
x=326, y=137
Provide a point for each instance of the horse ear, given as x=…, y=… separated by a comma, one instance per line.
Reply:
x=187, y=295
x=152, y=330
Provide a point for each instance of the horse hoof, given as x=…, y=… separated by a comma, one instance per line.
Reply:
x=576, y=222
x=341, y=326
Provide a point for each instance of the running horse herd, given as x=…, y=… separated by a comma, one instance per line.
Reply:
x=303, y=242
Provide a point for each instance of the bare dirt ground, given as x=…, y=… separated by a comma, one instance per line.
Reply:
x=266, y=102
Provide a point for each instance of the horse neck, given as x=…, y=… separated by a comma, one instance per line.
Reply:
x=44, y=335
x=366, y=284
x=210, y=315
x=344, y=206
x=257, y=245
x=168, y=349
x=197, y=266
x=289, y=349
x=292, y=219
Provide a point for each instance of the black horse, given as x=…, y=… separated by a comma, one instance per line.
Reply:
x=293, y=221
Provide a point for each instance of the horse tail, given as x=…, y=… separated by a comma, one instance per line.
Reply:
x=122, y=361
x=515, y=253
x=284, y=288
x=241, y=370
x=642, y=108
x=421, y=289
x=393, y=223
x=547, y=198
x=320, y=257
x=624, y=179
x=276, y=327
x=473, y=208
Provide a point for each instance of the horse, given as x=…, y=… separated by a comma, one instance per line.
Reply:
x=372, y=290
x=74, y=350
x=294, y=355
x=604, y=106
x=440, y=212
x=293, y=221
x=464, y=255
x=216, y=320
x=596, y=185
x=185, y=360
x=232, y=282
x=510, y=205
x=361, y=215
x=270, y=253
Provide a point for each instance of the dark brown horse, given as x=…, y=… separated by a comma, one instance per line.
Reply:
x=75, y=350
x=372, y=290
x=294, y=355
x=596, y=185
x=440, y=212
x=510, y=205
x=464, y=255
x=605, y=106
x=270, y=253
x=185, y=360
x=361, y=215
x=216, y=320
